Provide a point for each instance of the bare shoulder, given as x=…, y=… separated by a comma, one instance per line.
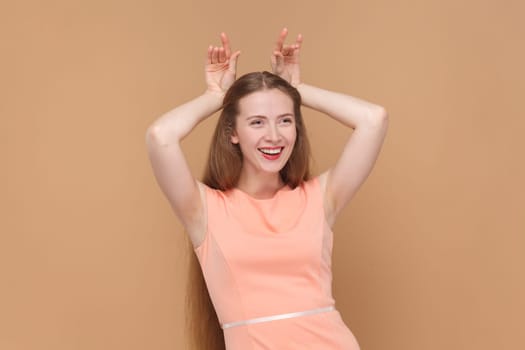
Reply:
x=197, y=226
x=322, y=181
x=328, y=201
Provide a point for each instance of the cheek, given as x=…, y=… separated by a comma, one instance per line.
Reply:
x=240, y=137
x=293, y=141
x=293, y=136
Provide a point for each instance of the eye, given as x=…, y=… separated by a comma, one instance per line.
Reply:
x=256, y=122
x=287, y=120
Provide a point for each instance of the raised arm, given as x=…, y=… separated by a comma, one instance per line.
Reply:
x=369, y=121
x=164, y=136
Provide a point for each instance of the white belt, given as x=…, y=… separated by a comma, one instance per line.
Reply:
x=277, y=317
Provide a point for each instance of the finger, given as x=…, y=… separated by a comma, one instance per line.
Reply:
x=273, y=59
x=208, y=58
x=281, y=39
x=232, y=66
x=299, y=41
x=296, y=53
x=226, y=44
x=278, y=60
x=214, y=55
x=222, y=55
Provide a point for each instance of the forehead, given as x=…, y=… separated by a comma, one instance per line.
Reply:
x=266, y=102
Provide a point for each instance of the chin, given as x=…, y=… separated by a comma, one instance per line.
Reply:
x=275, y=169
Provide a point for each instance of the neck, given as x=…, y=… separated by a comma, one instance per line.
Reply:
x=260, y=186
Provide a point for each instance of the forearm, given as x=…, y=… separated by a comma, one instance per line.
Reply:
x=176, y=124
x=350, y=111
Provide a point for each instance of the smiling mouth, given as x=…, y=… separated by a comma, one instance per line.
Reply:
x=271, y=151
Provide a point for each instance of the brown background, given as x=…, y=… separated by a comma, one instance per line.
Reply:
x=428, y=255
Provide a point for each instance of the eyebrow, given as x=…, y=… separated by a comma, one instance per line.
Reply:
x=263, y=116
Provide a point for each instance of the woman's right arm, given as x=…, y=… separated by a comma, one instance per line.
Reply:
x=163, y=139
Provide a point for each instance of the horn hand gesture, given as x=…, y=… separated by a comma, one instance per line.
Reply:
x=285, y=59
x=221, y=66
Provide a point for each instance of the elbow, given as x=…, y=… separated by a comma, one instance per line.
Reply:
x=381, y=114
x=378, y=116
x=152, y=130
x=152, y=133
x=156, y=135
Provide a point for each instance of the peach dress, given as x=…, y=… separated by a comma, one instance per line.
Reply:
x=267, y=265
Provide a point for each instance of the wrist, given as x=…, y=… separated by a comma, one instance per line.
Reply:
x=295, y=80
x=301, y=87
x=306, y=93
x=214, y=98
x=215, y=94
x=298, y=85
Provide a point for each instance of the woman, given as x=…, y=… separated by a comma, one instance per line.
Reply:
x=260, y=227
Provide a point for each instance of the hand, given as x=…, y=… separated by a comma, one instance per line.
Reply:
x=221, y=66
x=285, y=59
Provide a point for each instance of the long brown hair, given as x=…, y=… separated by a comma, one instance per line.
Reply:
x=222, y=172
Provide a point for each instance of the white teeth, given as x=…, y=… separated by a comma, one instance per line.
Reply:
x=271, y=151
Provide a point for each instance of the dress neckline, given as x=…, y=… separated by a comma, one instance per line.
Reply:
x=285, y=188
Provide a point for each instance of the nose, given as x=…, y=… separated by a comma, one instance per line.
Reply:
x=273, y=134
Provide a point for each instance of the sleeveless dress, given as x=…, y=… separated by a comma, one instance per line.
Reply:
x=267, y=257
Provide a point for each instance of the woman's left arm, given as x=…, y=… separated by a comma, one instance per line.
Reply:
x=370, y=123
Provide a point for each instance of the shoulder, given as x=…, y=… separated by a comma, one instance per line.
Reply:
x=328, y=203
x=316, y=183
x=210, y=194
x=210, y=198
x=322, y=179
x=216, y=202
x=311, y=190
